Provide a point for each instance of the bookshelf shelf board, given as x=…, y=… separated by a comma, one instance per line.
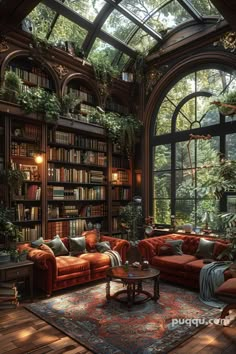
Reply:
x=72, y=201
x=24, y=139
x=34, y=201
x=27, y=222
x=32, y=182
x=77, y=218
x=114, y=185
x=75, y=183
x=85, y=165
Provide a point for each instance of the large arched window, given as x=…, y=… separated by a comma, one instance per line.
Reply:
x=181, y=165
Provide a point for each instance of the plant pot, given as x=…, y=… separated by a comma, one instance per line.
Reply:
x=5, y=258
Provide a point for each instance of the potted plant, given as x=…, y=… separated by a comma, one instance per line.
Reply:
x=11, y=87
x=14, y=178
x=226, y=103
x=131, y=217
x=69, y=102
x=9, y=234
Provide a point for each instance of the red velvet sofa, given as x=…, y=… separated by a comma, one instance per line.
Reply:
x=52, y=272
x=181, y=269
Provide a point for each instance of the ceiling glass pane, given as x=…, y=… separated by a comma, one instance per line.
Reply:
x=122, y=61
x=101, y=49
x=86, y=8
x=41, y=18
x=142, y=42
x=142, y=8
x=66, y=30
x=170, y=16
x=118, y=25
x=205, y=7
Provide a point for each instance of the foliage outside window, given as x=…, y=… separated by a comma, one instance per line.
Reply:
x=185, y=174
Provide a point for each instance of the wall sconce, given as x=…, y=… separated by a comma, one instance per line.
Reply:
x=38, y=157
x=114, y=177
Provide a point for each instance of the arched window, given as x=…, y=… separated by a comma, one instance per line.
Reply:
x=183, y=163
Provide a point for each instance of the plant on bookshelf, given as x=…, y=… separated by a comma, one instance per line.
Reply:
x=12, y=85
x=38, y=100
x=9, y=232
x=14, y=178
x=69, y=102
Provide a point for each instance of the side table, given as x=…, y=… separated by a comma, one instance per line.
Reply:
x=18, y=271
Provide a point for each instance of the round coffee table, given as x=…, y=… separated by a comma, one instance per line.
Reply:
x=133, y=278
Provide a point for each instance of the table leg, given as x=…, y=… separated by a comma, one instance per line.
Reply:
x=108, y=287
x=129, y=295
x=156, y=290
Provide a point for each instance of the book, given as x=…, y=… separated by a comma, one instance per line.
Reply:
x=8, y=285
x=8, y=292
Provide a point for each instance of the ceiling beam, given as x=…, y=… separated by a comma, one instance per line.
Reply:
x=227, y=8
x=13, y=12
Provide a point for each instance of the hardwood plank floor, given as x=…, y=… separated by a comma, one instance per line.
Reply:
x=21, y=332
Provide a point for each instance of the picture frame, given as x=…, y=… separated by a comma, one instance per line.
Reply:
x=27, y=174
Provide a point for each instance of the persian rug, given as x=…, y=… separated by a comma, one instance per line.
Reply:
x=110, y=328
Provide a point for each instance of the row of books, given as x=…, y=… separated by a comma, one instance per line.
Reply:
x=79, y=193
x=66, y=228
x=121, y=193
x=34, y=75
x=70, y=211
x=8, y=295
x=73, y=175
x=25, y=213
x=67, y=155
x=122, y=176
x=27, y=131
x=79, y=141
x=29, y=192
x=31, y=233
x=120, y=162
x=83, y=95
x=23, y=149
x=116, y=107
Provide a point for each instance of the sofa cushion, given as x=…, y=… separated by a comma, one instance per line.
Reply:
x=164, y=249
x=219, y=248
x=103, y=246
x=205, y=248
x=77, y=245
x=70, y=265
x=176, y=246
x=58, y=247
x=173, y=262
x=91, y=238
x=195, y=266
x=190, y=244
x=96, y=260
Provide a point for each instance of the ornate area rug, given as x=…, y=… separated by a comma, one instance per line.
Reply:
x=109, y=328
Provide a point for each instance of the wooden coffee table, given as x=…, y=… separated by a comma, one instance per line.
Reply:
x=133, y=278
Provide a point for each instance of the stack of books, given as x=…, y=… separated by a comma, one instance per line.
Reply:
x=8, y=295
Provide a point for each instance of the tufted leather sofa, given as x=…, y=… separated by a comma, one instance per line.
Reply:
x=181, y=269
x=53, y=273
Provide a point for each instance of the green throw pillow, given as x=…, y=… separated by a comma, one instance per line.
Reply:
x=77, y=245
x=58, y=247
x=103, y=246
x=37, y=242
x=176, y=246
x=205, y=249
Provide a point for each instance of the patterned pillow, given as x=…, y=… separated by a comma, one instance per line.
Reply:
x=77, y=245
x=176, y=246
x=58, y=247
x=164, y=249
x=46, y=249
x=205, y=249
x=37, y=242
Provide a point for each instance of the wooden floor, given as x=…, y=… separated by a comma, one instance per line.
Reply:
x=23, y=332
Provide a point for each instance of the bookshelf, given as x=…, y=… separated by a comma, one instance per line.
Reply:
x=76, y=181
x=25, y=141
x=31, y=73
x=88, y=100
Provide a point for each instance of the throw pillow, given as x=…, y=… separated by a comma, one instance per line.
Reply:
x=58, y=247
x=91, y=238
x=46, y=249
x=163, y=249
x=205, y=249
x=77, y=245
x=176, y=246
x=37, y=243
x=103, y=246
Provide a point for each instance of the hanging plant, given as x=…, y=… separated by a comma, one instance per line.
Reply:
x=226, y=103
x=122, y=130
x=38, y=100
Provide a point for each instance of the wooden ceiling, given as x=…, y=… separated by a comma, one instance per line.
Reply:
x=228, y=10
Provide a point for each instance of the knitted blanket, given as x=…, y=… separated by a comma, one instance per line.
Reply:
x=114, y=258
x=211, y=277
